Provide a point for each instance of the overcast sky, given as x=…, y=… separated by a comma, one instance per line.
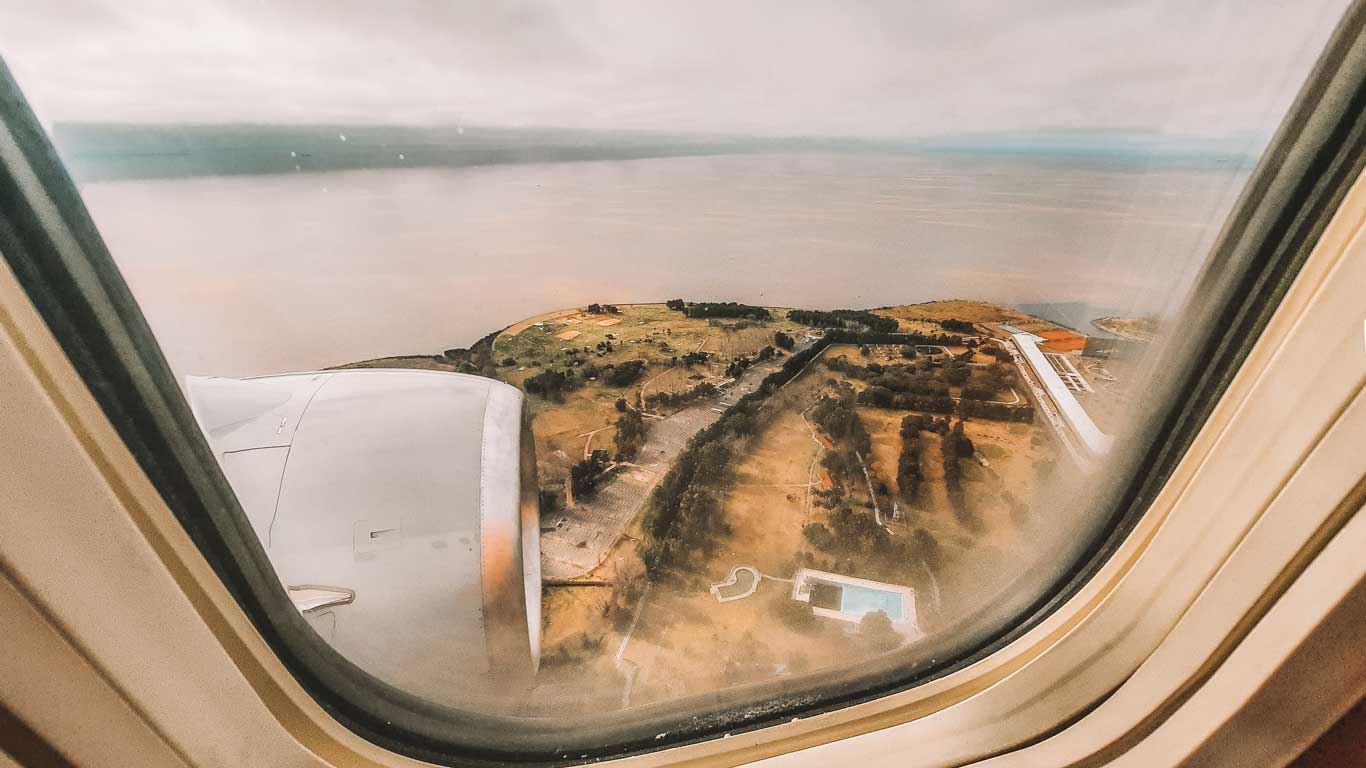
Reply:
x=887, y=68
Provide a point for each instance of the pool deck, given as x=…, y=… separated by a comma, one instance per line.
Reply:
x=801, y=591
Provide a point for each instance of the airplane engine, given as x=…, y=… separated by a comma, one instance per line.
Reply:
x=398, y=508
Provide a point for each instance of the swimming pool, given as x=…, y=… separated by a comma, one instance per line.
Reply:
x=859, y=599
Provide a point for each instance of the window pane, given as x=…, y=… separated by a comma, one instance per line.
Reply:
x=773, y=342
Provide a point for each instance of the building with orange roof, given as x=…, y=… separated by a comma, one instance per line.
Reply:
x=1062, y=341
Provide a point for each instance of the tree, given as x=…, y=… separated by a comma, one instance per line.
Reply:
x=630, y=434
x=962, y=444
x=621, y=404
x=626, y=373
x=876, y=630
x=583, y=476
x=795, y=614
x=595, y=308
x=818, y=536
x=783, y=340
x=908, y=351
x=677, y=305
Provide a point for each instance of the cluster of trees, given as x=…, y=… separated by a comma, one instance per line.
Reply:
x=956, y=370
x=584, y=476
x=694, y=358
x=909, y=473
x=551, y=384
x=1023, y=413
x=956, y=446
x=844, y=318
x=900, y=379
x=477, y=359
x=957, y=326
x=624, y=374
x=838, y=417
x=882, y=397
x=741, y=364
x=685, y=513
x=681, y=397
x=986, y=383
x=719, y=309
x=602, y=309
x=631, y=429
x=783, y=341
x=849, y=533
x=995, y=351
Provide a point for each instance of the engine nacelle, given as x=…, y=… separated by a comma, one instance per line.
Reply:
x=398, y=508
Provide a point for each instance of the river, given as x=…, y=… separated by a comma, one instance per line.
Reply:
x=248, y=275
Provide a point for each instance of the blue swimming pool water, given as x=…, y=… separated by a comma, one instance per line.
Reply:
x=858, y=599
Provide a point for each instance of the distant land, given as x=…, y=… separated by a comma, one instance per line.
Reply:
x=1076, y=315
x=105, y=151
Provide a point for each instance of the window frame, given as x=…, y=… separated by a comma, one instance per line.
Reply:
x=60, y=263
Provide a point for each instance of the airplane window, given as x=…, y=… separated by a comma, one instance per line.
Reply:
x=667, y=358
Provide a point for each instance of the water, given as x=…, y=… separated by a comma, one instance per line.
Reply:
x=858, y=599
x=260, y=274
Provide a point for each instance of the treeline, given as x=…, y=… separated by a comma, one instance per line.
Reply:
x=844, y=318
x=866, y=338
x=909, y=473
x=681, y=397
x=884, y=398
x=631, y=429
x=624, y=374
x=898, y=379
x=956, y=446
x=552, y=384
x=477, y=359
x=957, y=326
x=838, y=418
x=986, y=409
x=602, y=309
x=718, y=309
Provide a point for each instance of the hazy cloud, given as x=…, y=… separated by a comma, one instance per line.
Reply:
x=843, y=67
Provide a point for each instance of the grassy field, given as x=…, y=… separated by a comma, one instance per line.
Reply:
x=649, y=332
